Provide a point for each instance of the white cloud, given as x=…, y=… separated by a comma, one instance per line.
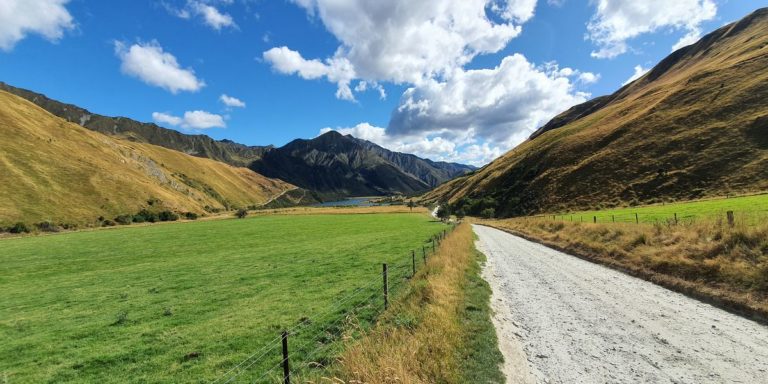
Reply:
x=405, y=41
x=231, y=102
x=212, y=16
x=209, y=14
x=504, y=104
x=337, y=69
x=195, y=120
x=639, y=72
x=617, y=21
x=19, y=18
x=149, y=63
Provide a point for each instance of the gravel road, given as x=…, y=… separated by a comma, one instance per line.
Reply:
x=561, y=319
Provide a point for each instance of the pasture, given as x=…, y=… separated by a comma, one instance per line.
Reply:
x=747, y=209
x=187, y=302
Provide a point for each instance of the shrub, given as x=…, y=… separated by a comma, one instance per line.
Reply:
x=108, y=223
x=145, y=216
x=460, y=214
x=19, y=228
x=190, y=216
x=46, y=226
x=168, y=216
x=241, y=213
x=443, y=213
x=124, y=219
x=488, y=213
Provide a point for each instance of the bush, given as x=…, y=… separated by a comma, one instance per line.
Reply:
x=168, y=216
x=46, y=226
x=145, y=215
x=124, y=219
x=108, y=223
x=19, y=228
x=241, y=213
x=190, y=216
x=488, y=213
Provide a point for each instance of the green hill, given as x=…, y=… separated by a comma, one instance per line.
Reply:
x=696, y=125
x=53, y=170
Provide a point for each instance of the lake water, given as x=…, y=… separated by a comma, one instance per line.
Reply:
x=350, y=202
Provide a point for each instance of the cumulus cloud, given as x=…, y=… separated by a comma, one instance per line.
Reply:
x=152, y=65
x=337, y=69
x=231, y=102
x=503, y=104
x=209, y=14
x=195, y=120
x=404, y=41
x=639, y=72
x=447, y=112
x=617, y=21
x=19, y=18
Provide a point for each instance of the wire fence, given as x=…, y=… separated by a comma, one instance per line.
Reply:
x=749, y=218
x=315, y=339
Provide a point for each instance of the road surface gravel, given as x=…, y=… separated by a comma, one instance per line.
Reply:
x=561, y=319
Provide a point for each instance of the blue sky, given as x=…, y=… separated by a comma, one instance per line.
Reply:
x=465, y=80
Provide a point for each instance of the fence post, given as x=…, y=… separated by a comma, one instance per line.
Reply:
x=594, y=219
x=675, y=217
x=613, y=218
x=386, y=286
x=731, y=221
x=286, y=368
x=637, y=219
x=413, y=260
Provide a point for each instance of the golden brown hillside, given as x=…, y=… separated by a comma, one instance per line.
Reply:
x=695, y=125
x=52, y=170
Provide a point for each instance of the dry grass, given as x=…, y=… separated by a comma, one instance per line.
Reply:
x=707, y=259
x=421, y=338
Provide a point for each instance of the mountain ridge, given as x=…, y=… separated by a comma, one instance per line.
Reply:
x=399, y=171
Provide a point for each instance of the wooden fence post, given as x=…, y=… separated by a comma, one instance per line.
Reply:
x=594, y=219
x=637, y=219
x=613, y=218
x=675, y=217
x=386, y=286
x=286, y=368
x=731, y=221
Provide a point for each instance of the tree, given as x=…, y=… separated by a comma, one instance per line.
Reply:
x=488, y=213
x=460, y=215
x=443, y=213
x=411, y=205
x=241, y=213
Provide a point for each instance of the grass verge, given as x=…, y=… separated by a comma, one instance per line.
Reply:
x=708, y=260
x=438, y=331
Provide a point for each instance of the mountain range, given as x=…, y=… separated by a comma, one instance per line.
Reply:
x=332, y=166
x=695, y=125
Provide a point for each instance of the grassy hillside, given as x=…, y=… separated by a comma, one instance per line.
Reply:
x=186, y=302
x=696, y=125
x=57, y=171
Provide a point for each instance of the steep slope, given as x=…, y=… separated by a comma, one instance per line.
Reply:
x=196, y=145
x=61, y=172
x=695, y=125
x=334, y=166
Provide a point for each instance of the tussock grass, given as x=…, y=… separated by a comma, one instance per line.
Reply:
x=706, y=259
x=438, y=331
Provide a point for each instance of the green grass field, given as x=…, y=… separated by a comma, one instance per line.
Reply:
x=748, y=209
x=186, y=302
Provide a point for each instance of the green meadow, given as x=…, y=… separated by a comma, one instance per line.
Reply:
x=187, y=302
x=750, y=210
